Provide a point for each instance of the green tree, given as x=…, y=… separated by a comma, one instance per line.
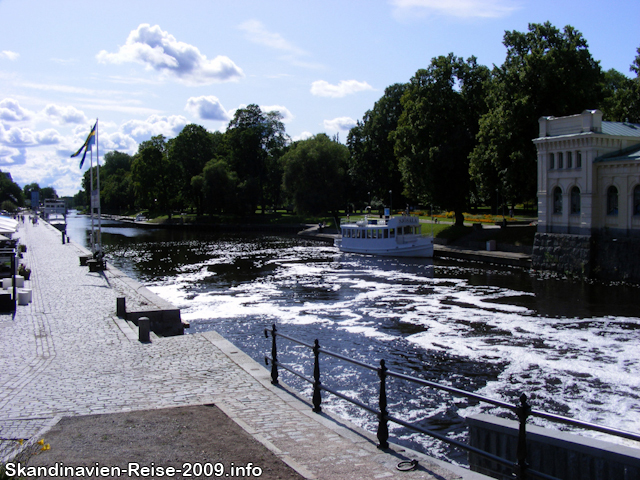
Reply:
x=622, y=95
x=546, y=72
x=155, y=178
x=10, y=191
x=256, y=141
x=436, y=131
x=373, y=166
x=116, y=186
x=190, y=151
x=315, y=175
x=48, y=193
x=219, y=187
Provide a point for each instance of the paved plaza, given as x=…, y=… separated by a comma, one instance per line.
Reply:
x=67, y=354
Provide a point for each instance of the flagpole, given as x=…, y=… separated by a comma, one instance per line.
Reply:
x=99, y=209
x=93, y=238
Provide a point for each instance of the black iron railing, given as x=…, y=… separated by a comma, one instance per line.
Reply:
x=522, y=411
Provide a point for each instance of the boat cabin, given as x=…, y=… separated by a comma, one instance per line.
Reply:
x=374, y=229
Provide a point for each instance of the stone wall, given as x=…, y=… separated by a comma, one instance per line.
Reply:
x=564, y=254
x=600, y=257
x=616, y=259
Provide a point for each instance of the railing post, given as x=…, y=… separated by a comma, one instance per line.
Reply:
x=274, y=357
x=522, y=411
x=317, y=397
x=383, y=428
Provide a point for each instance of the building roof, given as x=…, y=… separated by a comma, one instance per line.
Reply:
x=623, y=129
x=631, y=153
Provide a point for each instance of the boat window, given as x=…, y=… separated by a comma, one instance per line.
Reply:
x=392, y=232
x=368, y=233
x=386, y=233
x=419, y=229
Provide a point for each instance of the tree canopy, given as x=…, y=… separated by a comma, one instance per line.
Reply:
x=546, y=72
x=256, y=141
x=373, y=166
x=436, y=131
x=315, y=175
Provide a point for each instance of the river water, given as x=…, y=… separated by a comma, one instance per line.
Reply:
x=571, y=346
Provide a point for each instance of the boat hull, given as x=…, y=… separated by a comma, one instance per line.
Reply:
x=421, y=250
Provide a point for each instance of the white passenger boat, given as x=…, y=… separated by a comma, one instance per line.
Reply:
x=399, y=236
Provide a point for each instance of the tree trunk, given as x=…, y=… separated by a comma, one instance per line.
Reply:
x=459, y=218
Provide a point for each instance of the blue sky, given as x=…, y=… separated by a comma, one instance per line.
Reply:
x=145, y=68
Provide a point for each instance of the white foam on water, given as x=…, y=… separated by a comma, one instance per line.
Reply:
x=582, y=368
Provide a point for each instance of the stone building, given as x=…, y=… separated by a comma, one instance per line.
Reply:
x=588, y=196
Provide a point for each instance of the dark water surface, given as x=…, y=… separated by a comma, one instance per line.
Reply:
x=571, y=346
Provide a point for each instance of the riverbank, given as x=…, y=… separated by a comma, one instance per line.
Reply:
x=67, y=359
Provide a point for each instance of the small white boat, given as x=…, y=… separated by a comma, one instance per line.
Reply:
x=58, y=221
x=391, y=236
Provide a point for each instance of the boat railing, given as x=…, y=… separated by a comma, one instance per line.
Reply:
x=361, y=220
x=522, y=410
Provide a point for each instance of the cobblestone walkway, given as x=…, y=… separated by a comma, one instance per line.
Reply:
x=66, y=354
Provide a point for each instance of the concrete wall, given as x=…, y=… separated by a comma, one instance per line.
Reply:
x=562, y=455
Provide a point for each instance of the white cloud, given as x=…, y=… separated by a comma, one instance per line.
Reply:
x=9, y=55
x=321, y=88
x=455, y=8
x=118, y=141
x=63, y=115
x=160, y=51
x=302, y=136
x=11, y=111
x=287, y=116
x=207, y=108
x=48, y=137
x=257, y=33
x=25, y=137
x=154, y=125
x=340, y=123
x=8, y=156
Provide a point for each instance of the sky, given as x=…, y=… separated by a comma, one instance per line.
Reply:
x=149, y=67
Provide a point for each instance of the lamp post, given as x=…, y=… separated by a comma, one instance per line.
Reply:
x=390, y=203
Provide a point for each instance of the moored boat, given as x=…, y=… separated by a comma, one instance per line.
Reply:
x=399, y=236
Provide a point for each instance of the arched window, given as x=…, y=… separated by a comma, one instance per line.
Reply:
x=557, y=200
x=612, y=200
x=636, y=200
x=575, y=200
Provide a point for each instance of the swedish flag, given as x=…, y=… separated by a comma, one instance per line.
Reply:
x=91, y=139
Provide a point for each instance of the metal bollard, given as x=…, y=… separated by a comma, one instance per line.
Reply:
x=317, y=397
x=144, y=328
x=121, y=307
x=383, y=427
x=522, y=411
x=274, y=356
